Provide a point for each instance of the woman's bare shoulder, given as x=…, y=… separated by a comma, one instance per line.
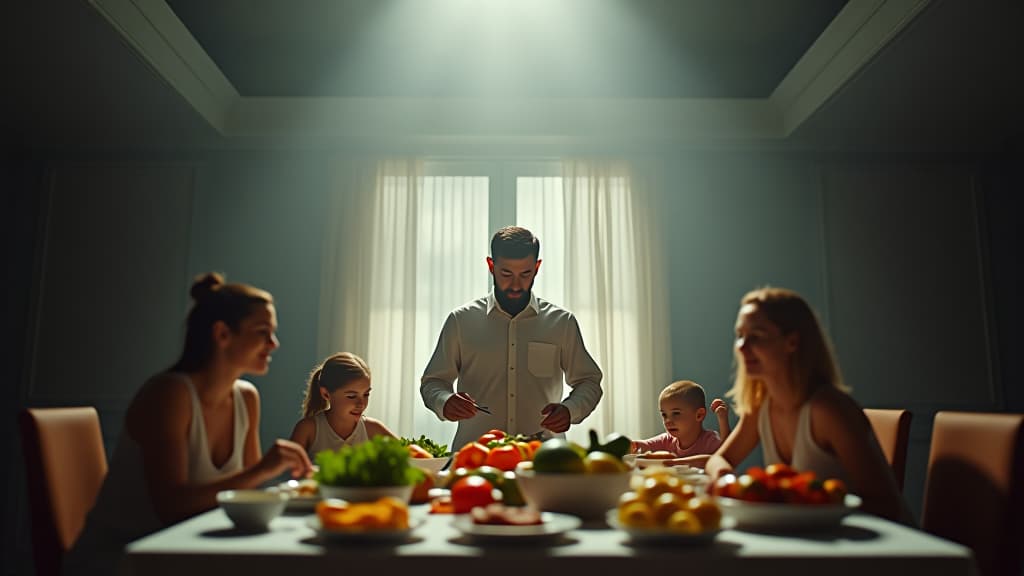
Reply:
x=164, y=397
x=832, y=408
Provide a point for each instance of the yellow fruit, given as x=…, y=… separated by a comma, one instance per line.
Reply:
x=603, y=463
x=636, y=515
x=706, y=511
x=628, y=498
x=557, y=456
x=665, y=506
x=683, y=521
x=656, y=486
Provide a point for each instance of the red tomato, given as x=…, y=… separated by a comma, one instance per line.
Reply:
x=498, y=433
x=417, y=451
x=726, y=486
x=487, y=438
x=472, y=455
x=835, y=489
x=504, y=457
x=780, y=470
x=752, y=490
x=470, y=492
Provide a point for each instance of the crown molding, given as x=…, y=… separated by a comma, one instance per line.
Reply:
x=164, y=44
x=860, y=30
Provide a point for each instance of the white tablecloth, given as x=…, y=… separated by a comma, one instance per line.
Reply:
x=863, y=546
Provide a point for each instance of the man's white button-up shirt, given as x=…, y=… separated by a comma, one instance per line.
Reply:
x=512, y=365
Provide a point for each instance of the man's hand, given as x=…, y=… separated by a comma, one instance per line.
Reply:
x=556, y=418
x=459, y=407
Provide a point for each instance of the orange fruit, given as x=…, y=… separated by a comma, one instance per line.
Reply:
x=636, y=515
x=706, y=511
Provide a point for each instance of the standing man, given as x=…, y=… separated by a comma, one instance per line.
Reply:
x=508, y=352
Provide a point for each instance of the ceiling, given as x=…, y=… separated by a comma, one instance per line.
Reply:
x=506, y=48
x=875, y=75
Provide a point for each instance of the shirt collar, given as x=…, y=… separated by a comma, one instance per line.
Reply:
x=492, y=303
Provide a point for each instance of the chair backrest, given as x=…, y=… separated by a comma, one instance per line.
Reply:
x=65, y=466
x=975, y=486
x=892, y=428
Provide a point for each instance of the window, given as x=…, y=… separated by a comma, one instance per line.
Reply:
x=428, y=227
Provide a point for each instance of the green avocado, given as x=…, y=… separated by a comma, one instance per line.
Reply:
x=615, y=444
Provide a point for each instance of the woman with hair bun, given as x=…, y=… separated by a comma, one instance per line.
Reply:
x=191, y=430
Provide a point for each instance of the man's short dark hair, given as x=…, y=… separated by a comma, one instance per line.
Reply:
x=514, y=242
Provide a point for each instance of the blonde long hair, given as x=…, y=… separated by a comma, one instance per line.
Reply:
x=813, y=365
x=333, y=373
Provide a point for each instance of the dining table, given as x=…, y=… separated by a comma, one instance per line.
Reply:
x=860, y=544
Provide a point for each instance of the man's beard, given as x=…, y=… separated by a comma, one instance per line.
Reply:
x=512, y=306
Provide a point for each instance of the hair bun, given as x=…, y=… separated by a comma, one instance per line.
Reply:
x=205, y=285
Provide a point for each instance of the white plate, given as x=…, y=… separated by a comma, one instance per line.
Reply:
x=296, y=503
x=368, y=536
x=642, y=462
x=661, y=535
x=302, y=503
x=769, y=515
x=552, y=524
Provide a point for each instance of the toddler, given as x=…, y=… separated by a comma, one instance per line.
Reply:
x=682, y=413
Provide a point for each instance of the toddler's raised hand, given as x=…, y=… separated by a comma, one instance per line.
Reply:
x=719, y=407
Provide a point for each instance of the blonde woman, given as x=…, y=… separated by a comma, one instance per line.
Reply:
x=790, y=398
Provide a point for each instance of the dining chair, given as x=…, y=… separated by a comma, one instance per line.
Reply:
x=892, y=428
x=974, y=493
x=65, y=464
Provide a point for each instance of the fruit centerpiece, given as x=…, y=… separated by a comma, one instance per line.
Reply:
x=585, y=482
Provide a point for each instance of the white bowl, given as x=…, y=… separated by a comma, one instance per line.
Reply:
x=252, y=509
x=366, y=493
x=429, y=465
x=584, y=495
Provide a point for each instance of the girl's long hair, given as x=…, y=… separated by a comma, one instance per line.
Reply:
x=333, y=373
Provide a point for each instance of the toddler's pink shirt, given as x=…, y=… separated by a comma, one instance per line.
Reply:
x=706, y=443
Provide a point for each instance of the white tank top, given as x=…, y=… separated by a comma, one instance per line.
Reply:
x=807, y=455
x=327, y=439
x=123, y=511
x=201, y=468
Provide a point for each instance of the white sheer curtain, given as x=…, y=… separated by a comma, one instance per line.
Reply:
x=601, y=242
x=403, y=249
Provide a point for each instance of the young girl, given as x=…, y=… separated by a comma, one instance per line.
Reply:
x=192, y=430
x=790, y=398
x=332, y=412
x=683, y=413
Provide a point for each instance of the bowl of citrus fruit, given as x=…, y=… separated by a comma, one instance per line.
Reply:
x=564, y=477
x=663, y=508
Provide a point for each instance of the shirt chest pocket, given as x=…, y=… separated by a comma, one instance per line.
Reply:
x=541, y=359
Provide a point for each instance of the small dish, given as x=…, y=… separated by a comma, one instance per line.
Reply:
x=302, y=495
x=251, y=510
x=552, y=524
